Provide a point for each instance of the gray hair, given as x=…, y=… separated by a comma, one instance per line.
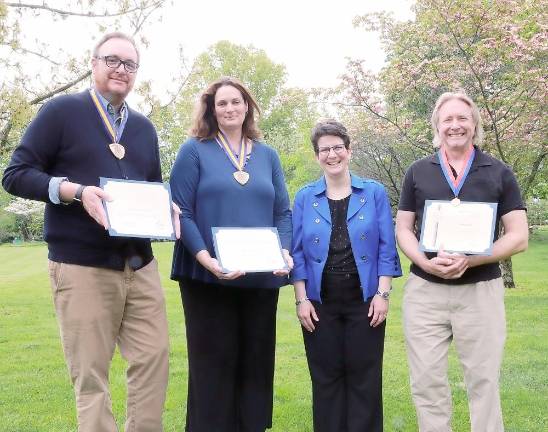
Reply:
x=447, y=96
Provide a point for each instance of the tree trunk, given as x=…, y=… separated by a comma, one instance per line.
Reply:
x=507, y=273
x=25, y=232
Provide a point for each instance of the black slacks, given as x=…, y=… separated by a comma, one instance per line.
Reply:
x=231, y=334
x=344, y=356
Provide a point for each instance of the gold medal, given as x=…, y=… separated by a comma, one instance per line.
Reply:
x=241, y=177
x=455, y=201
x=117, y=150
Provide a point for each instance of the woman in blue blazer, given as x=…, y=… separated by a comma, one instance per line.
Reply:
x=344, y=256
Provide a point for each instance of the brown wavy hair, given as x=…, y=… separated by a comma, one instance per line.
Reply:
x=204, y=123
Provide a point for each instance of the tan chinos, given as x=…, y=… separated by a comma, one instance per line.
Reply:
x=473, y=316
x=96, y=309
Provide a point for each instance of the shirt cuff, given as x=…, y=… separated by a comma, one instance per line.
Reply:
x=53, y=189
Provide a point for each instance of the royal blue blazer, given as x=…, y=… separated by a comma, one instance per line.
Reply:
x=370, y=228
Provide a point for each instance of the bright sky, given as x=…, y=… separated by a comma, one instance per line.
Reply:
x=310, y=37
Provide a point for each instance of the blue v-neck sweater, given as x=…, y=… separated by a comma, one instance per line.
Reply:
x=68, y=139
x=203, y=186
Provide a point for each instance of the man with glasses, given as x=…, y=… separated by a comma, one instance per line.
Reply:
x=106, y=290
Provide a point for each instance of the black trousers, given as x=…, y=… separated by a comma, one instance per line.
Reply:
x=231, y=335
x=344, y=356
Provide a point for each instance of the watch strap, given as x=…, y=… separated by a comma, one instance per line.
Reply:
x=384, y=294
x=78, y=193
x=304, y=299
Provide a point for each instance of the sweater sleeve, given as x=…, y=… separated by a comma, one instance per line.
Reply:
x=184, y=180
x=27, y=173
x=156, y=174
x=282, y=212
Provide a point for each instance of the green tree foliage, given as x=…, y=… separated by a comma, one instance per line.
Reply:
x=493, y=50
x=496, y=51
x=8, y=221
x=35, y=67
x=286, y=114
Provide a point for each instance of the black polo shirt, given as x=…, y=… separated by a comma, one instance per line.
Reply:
x=489, y=180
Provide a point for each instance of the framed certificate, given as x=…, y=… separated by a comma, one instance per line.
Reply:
x=252, y=250
x=466, y=227
x=138, y=209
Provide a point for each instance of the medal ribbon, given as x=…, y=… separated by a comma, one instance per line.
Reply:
x=106, y=118
x=456, y=183
x=223, y=142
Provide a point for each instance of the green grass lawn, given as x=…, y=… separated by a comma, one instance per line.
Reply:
x=36, y=395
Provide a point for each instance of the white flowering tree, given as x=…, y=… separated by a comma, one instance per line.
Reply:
x=29, y=217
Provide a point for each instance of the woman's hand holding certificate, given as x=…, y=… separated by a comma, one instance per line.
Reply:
x=250, y=250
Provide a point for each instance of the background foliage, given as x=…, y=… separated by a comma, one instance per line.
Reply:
x=495, y=50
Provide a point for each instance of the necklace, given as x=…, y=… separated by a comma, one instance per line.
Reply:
x=239, y=175
x=456, y=183
x=117, y=149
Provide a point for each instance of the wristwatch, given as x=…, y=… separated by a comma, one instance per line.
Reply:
x=304, y=299
x=78, y=193
x=384, y=294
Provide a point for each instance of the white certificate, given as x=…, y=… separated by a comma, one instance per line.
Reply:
x=464, y=228
x=248, y=249
x=138, y=209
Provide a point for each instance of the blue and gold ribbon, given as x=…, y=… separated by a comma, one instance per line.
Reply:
x=115, y=147
x=103, y=114
x=456, y=183
x=223, y=142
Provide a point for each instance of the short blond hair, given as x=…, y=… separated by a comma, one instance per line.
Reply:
x=447, y=96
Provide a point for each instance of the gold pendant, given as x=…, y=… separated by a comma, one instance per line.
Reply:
x=241, y=177
x=117, y=150
x=455, y=201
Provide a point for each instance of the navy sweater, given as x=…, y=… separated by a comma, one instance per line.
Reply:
x=208, y=195
x=68, y=139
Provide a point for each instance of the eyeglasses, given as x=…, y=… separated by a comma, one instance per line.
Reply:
x=338, y=149
x=114, y=63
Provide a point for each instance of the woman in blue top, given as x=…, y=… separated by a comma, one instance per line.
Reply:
x=345, y=257
x=230, y=317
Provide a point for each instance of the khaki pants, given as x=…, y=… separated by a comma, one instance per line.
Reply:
x=97, y=309
x=473, y=316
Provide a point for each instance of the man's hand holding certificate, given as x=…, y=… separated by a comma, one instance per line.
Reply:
x=138, y=209
x=459, y=227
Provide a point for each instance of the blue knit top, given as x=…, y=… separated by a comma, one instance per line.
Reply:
x=208, y=195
